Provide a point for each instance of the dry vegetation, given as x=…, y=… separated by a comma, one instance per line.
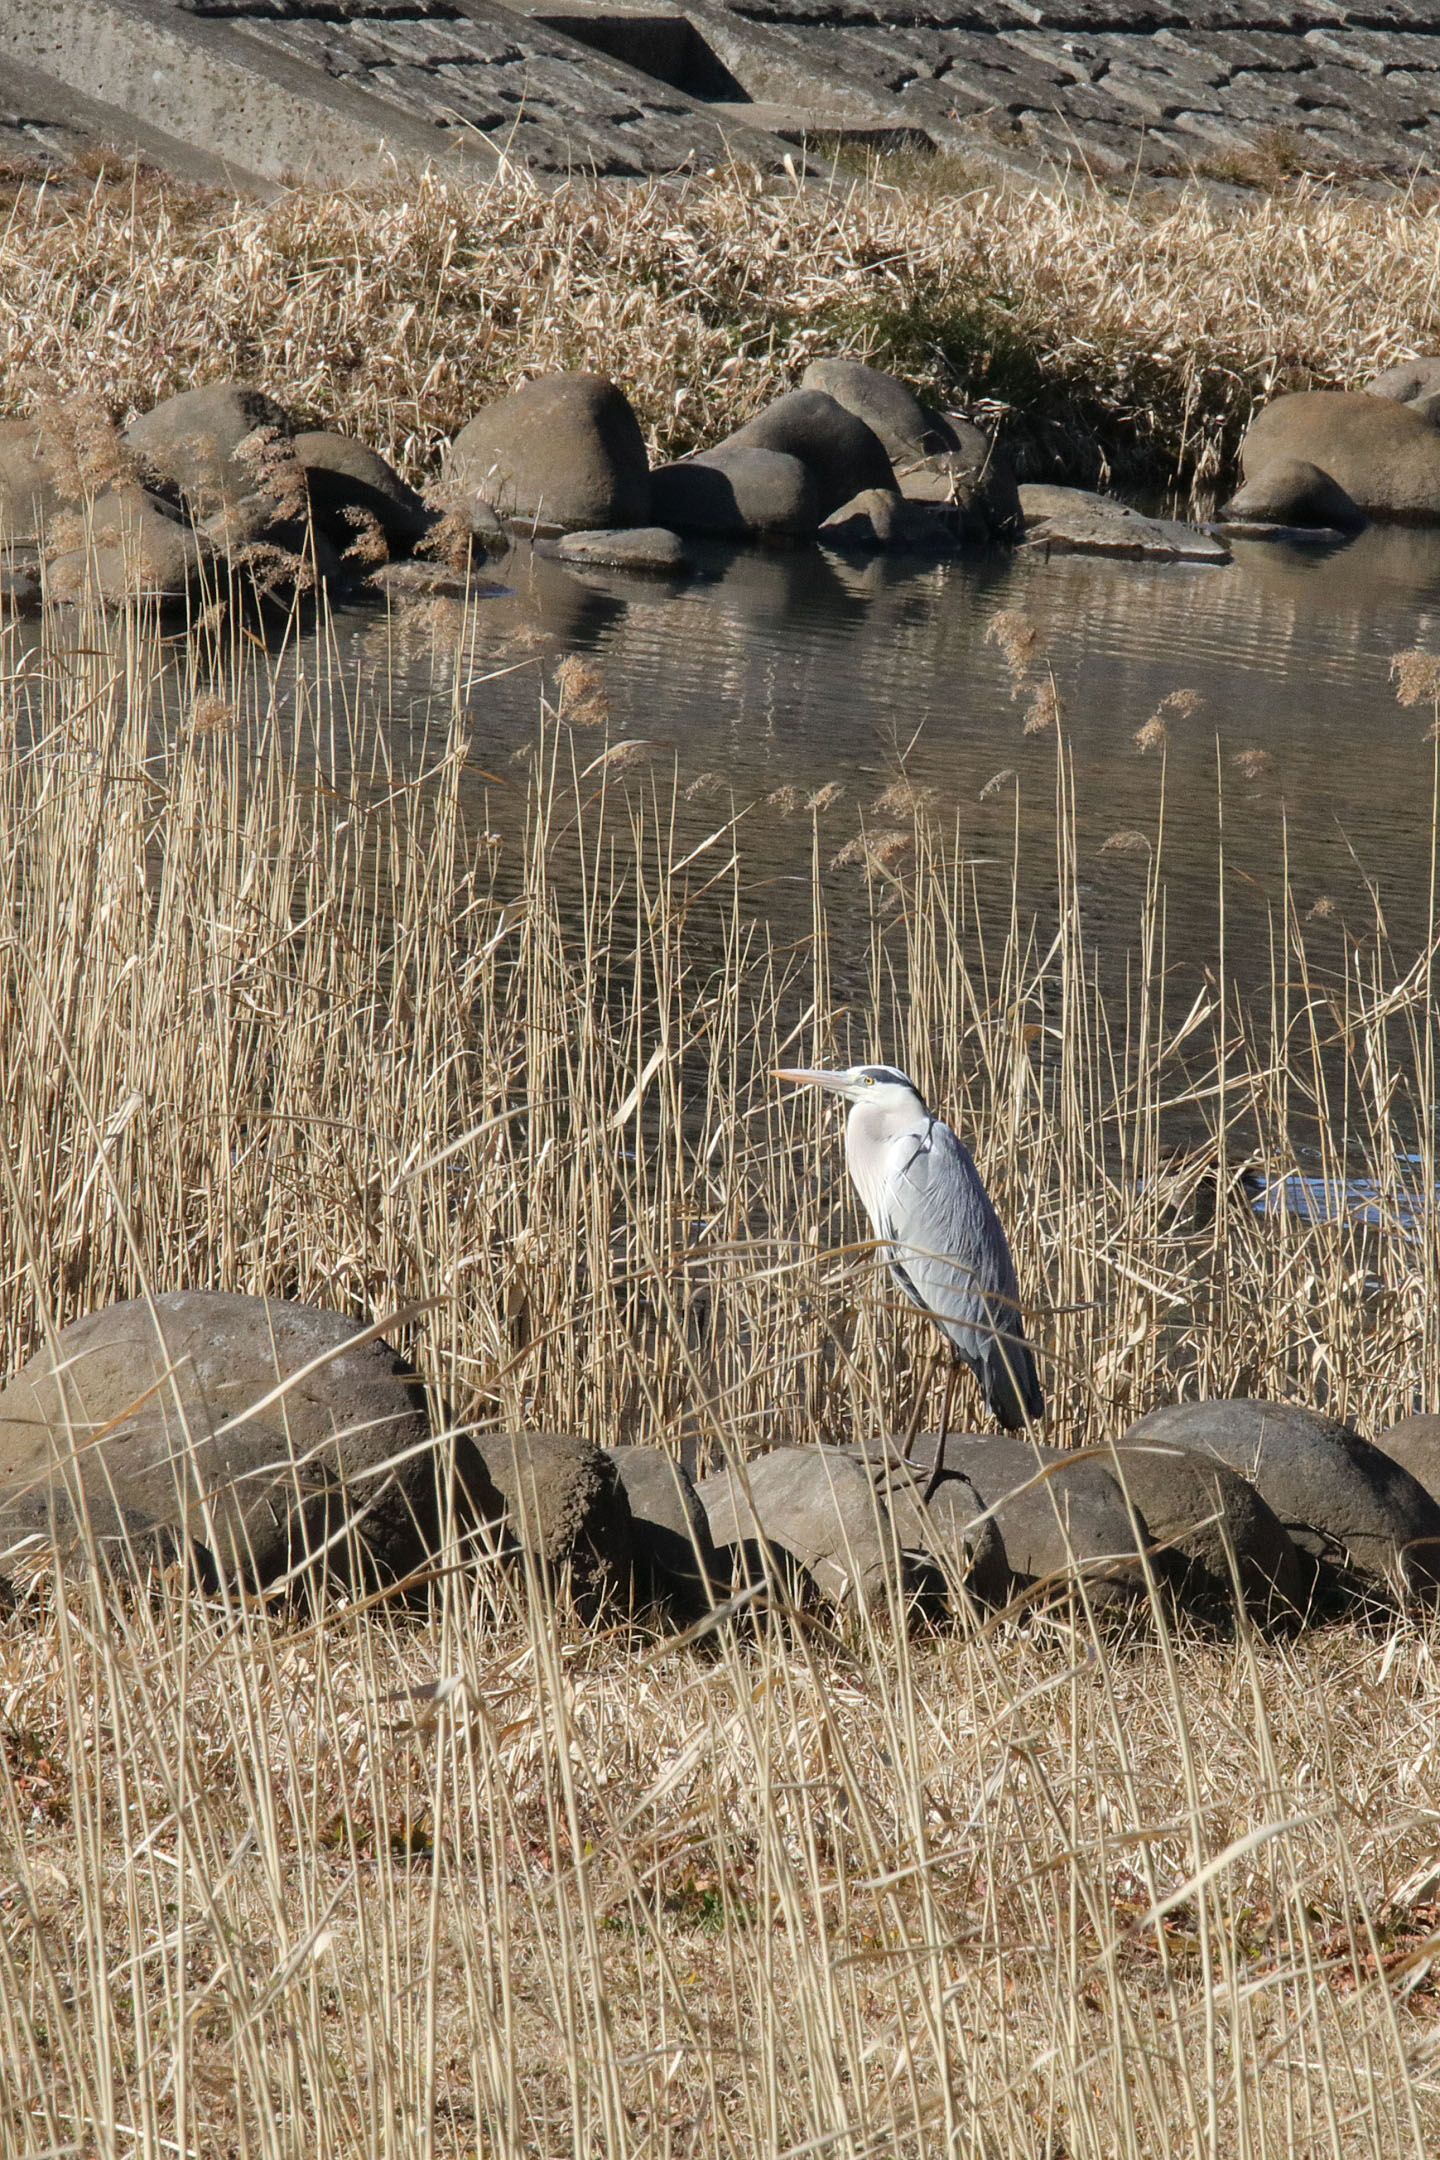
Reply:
x=278, y=1013
x=1130, y=336
x=281, y=1011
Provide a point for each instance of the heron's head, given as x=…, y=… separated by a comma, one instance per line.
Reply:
x=884, y=1087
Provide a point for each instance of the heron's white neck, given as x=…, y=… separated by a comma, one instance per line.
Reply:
x=876, y=1123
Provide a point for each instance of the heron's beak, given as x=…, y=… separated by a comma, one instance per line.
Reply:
x=834, y=1081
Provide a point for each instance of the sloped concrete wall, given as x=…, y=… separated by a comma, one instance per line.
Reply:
x=330, y=89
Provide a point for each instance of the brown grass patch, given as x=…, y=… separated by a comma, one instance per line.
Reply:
x=1107, y=334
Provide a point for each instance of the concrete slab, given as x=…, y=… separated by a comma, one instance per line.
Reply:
x=273, y=91
x=287, y=90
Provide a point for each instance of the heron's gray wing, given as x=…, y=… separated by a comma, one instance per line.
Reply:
x=950, y=1255
x=943, y=1231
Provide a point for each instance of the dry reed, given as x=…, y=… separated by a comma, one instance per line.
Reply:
x=1108, y=332
x=277, y=1017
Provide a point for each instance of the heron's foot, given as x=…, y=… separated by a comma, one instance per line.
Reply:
x=892, y=1464
x=937, y=1472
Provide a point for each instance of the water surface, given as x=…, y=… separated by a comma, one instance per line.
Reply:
x=778, y=674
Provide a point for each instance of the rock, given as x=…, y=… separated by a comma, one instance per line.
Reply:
x=561, y=454
x=907, y=429
x=842, y=455
x=22, y=588
x=1415, y=1444
x=955, y=1528
x=188, y=444
x=1200, y=1511
x=1341, y=1500
x=974, y=481
x=879, y=522
x=32, y=489
x=1383, y=454
x=738, y=493
x=651, y=549
x=818, y=1505
x=466, y=516
x=168, y=1423
x=1073, y=1521
x=1311, y=536
x=272, y=539
x=1072, y=521
x=1413, y=382
x=348, y=483
x=675, y=1559
x=137, y=548
x=565, y=1505
x=1291, y=491
x=432, y=581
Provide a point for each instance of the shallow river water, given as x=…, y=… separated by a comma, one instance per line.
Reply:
x=784, y=673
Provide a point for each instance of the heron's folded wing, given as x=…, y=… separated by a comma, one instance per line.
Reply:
x=949, y=1249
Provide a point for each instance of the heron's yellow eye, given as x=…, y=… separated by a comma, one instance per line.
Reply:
x=869, y=1079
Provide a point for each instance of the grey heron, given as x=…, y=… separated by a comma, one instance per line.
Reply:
x=938, y=1231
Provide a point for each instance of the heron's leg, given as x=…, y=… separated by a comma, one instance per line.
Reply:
x=937, y=1468
x=919, y=1410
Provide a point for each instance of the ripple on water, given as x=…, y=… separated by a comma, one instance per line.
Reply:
x=791, y=670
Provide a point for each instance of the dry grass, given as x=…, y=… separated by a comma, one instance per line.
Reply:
x=1110, y=334
x=1025, y=1895
x=280, y=1012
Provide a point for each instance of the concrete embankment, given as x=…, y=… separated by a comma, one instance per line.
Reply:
x=268, y=91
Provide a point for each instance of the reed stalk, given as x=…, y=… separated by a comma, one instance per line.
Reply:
x=279, y=1016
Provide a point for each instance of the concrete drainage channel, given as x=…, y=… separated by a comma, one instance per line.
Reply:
x=267, y=92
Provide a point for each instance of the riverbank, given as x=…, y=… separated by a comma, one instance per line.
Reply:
x=477, y=1883
x=316, y=987
x=283, y=1011
x=1110, y=339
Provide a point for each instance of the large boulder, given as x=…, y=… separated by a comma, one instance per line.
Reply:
x=208, y=447
x=1292, y=491
x=561, y=454
x=819, y=1505
x=879, y=522
x=1385, y=455
x=564, y=1504
x=1058, y=1518
x=1414, y=382
x=907, y=429
x=1206, y=1516
x=225, y=456
x=736, y=492
x=1074, y=521
x=1341, y=1500
x=973, y=481
x=137, y=547
x=842, y=454
x=349, y=485
x=674, y=1556
x=1415, y=1444
x=248, y=1434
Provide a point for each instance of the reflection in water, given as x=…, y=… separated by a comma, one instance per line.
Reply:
x=771, y=677
x=1353, y=1200
x=788, y=671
